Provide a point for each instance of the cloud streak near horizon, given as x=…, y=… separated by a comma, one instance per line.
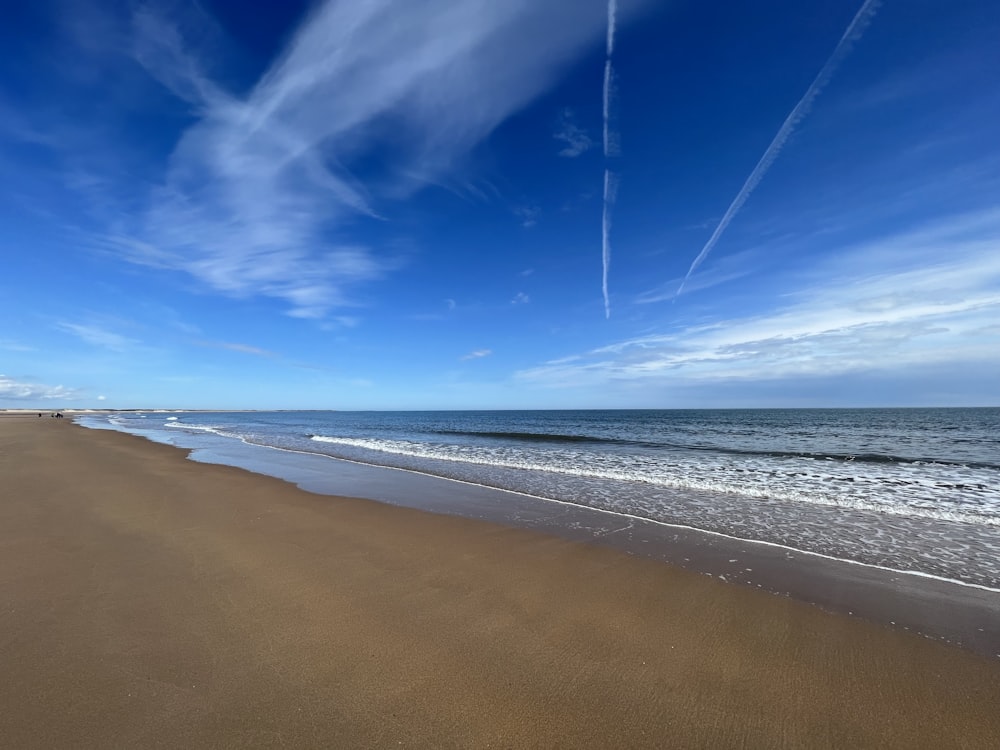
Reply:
x=26, y=390
x=852, y=34
x=923, y=298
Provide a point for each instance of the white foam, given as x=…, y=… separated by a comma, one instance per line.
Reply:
x=744, y=480
x=198, y=428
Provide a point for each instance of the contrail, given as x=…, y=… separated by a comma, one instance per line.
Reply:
x=611, y=144
x=612, y=12
x=610, y=140
x=843, y=48
x=611, y=148
x=610, y=193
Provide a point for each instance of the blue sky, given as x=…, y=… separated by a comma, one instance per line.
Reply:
x=473, y=204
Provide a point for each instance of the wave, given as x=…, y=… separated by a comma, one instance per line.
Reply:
x=536, y=437
x=669, y=479
x=863, y=458
x=873, y=458
x=178, y=425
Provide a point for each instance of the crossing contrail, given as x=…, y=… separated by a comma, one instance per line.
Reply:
x=611, y=148
x=854, y=31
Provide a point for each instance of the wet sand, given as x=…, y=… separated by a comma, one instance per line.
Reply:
x=964, y=615
x=150, y=601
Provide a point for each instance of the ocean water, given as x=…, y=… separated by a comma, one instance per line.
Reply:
x=906, y=489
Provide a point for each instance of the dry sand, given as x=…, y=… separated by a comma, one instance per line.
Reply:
x=149, y=601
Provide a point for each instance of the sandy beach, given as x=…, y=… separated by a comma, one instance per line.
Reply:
x=150, y=601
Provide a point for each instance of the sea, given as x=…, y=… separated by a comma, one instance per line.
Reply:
x=914, y=490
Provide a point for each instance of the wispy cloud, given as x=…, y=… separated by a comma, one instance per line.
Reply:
x=344, y=321
x=15, y=346
x=528, y=215
x=263, y=188
x=923, y=298
x=478, y=354
x=801, y=109
x=729, y=268
x=98, y=336
x=577, y=139
x=12, y=389
x=520, y=299
x=240, y=348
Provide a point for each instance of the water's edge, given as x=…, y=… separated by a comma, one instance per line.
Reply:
x=958, y=612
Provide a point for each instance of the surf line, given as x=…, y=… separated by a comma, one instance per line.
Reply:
x=620, y=514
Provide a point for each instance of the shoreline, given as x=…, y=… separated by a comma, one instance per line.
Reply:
x=642, y=519
x=157, y=601
x=954, y=611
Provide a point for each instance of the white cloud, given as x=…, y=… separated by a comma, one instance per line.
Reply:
x=576, y=138
x=240, y=348
x=520, y=299
x=21, y=390
x=924, y=298
x=528, y=215
x=15, y=346
x=98, y=336
x=478, y=354
x=256, y=188
x=722, y=270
